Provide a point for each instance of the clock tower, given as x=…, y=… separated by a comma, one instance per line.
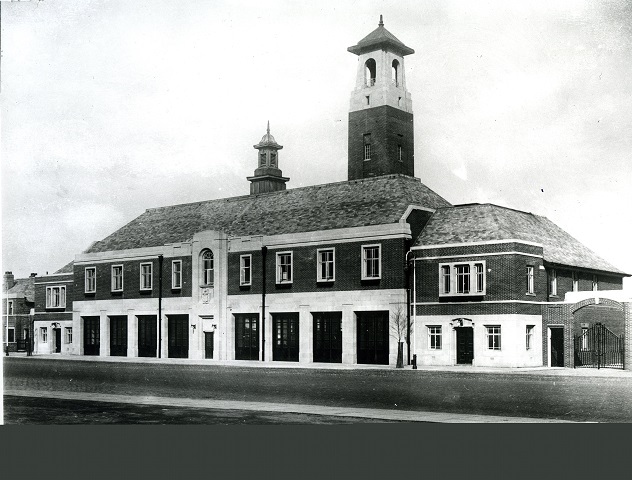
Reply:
x=381, y=137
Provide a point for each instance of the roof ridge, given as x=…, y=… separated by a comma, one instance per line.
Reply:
x=289, y=190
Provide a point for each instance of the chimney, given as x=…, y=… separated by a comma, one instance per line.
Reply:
x=33, y=275
x=9, y=280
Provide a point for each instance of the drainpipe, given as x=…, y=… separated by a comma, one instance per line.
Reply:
x=264, y=251
x=160, y=259
x=408, y=305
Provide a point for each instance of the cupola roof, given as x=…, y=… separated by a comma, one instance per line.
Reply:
x=380, y=37
x=268, y=141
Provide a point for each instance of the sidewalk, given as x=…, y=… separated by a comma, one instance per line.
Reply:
x=356, y=412
x=544, y=371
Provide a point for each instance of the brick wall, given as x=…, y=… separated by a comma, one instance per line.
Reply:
x=47, y=281
x=348, y=269
x=389, y=127
x=131, y=280
x=565, y=282
x=506, y=278
x=611, y=317
x=465, y=309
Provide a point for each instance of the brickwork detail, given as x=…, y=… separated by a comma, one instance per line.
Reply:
x=348, y=269
x=389, y=128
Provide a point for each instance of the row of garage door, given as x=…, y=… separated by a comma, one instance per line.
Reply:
x=372, y=337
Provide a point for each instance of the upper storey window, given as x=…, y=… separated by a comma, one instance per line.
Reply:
x=56, y=297
x=395, y=73
x=208, y=268
x=367, y=146
x=459, y=279
x=369, y=72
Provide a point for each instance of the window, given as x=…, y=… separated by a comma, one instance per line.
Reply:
x=595, y=283
x=55, y=297
x=462, y=279
x=400, y=153
x=445, y=279
x=11, y=334
x=584, y=346
x=434, y=338
x=371, y=262
x=245, y=270
x=146, y=276
x=117, y=278
x=575, y=282
x=176, y=274
x=10, y=308
x=493, y=337
x=530, y=279
x=91, y=280
x=326, y=265
x=370, y=67
x=208, y=268
x=529, y=336
x=44, y=332
x=68, y=334
x=395, y=72
x=367, y=146
x=553, y=282
x=284, y=267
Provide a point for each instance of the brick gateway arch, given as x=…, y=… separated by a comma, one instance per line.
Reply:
x=563, y=321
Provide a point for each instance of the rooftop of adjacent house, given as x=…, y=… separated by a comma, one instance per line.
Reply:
x=372, y=201
x=68, y=268
x=23, y=288
x=380, y=36
x=487, y=222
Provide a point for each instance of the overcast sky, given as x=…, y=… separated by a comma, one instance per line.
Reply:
x=110, y=108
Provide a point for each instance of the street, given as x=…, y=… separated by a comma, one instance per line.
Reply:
x=533, y=395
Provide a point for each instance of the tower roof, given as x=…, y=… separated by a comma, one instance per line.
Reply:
x=378, y=38
x=268, y=141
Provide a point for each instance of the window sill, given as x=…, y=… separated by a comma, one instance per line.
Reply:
x=530, y=294
x=325, y=281
x=370, y=278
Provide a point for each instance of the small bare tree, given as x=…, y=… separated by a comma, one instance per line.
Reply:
x=399, y=329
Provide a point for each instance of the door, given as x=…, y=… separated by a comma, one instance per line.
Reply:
x=328, y=337
x=247, y=336
x=373, y=337
x=147, y=335
x=464, y=345
x=209, y=339
x=285, y=332
x=91, y=336
x=557, y=346
x=118, y=336
x=178, y=326
x=57, y=340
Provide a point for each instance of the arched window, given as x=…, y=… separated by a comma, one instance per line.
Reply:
x=369, y=72
x=395, y=72
x=207, y=268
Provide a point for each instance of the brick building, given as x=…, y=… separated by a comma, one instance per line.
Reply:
x=17, y=311
x=331, y=273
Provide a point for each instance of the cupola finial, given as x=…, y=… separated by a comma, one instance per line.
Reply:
x=268, y=127
x=381, y=24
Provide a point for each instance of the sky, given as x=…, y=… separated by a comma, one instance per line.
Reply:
x=112, y=107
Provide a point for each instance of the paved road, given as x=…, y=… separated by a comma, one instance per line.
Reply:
x=575, y=398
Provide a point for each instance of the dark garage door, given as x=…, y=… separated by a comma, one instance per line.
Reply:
x=178, y=336
x=147, y=335
x=247, y=336
x=285, y=332
x=91, y=336
x=373, y=337
x=118, y=336
x=328, y=337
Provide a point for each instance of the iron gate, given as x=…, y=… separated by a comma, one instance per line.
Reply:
x=598, y=347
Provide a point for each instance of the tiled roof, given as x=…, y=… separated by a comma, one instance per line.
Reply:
x=23, y=288
x=371, y=201
x=486, y=222
x=380, y=36
x=68, y=268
